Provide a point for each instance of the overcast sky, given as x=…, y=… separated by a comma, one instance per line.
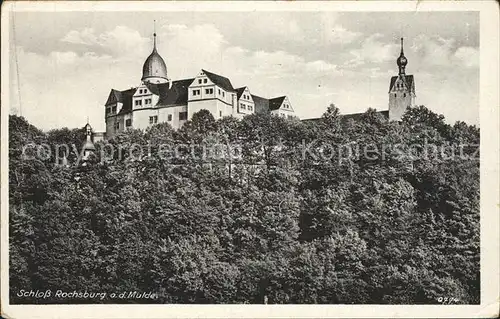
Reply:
x=68, y=62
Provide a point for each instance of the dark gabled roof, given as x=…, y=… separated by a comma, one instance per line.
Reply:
x=346, y=117
x=357, y=116
x=175, y=95
x=407, y=78
x=276, y=102
x=126, y=99
x=239, y=92
x=219, y=80
x=261, y=104
x=113, y=97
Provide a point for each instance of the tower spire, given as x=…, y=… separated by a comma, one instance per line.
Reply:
x=402, y=61
x=154, y=35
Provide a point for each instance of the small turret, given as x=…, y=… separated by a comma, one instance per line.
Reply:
x=88, y=147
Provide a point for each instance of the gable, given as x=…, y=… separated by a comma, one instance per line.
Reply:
x=407, y=81
x=201, y=80
x=244, y=94
x=113, y=97
x=276, y=103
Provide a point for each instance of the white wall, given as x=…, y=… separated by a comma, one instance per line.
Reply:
x=174, y=111
x=400, y=98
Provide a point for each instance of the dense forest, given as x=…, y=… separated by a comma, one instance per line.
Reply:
x=298, y=215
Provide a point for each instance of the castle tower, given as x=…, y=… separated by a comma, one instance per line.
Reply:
x=154, y=70
x=401, y=90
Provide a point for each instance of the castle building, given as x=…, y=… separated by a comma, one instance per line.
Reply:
x=159, y=99
x=401, y=89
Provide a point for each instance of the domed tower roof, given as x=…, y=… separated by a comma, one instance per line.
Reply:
x=402, y=61
x=154, y=68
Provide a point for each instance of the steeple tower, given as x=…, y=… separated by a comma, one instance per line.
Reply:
x=154, y=70
x=401, y=89
x=154, y=35
x=402, y=61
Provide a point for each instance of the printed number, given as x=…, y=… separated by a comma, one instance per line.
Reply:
x=447, y=300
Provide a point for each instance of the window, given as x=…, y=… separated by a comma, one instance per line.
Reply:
x=128, y=122
x=218, y=91
x=117, y=125
x=404, y=94
x=204, y=80
x=250, y=108
x=113, y=109
x=183, y=116
x=220, y=113
x=209, y=91
x=222, y=93
x=199, y=81
x=242, y=106
x=138, y=102
x=395, y=94
x=153, y=119
x=169, y=117
x=108, y=110
x=196, y=92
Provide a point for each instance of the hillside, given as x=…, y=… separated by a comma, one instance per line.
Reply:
x=333, y=211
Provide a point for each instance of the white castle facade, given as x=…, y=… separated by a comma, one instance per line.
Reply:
x=158, y=99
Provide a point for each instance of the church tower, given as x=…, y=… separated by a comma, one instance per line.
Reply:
x=401, y=90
